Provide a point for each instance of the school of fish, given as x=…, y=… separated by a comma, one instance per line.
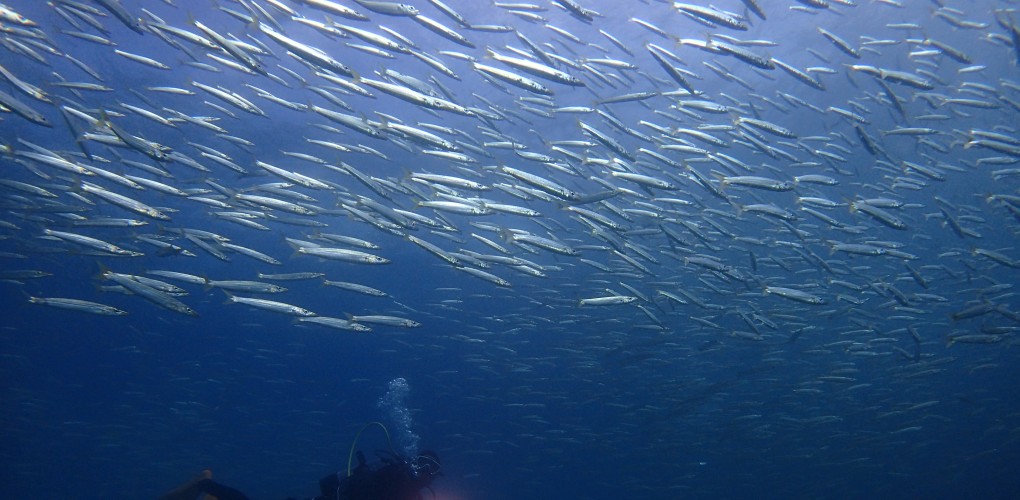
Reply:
x=680, y=185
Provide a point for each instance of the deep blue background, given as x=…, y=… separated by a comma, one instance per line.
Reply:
x=522, y=393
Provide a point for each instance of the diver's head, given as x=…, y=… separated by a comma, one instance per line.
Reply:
x=425, y=464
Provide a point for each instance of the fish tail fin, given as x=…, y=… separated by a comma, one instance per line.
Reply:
x=506, y=235
x=104, y=119
x=723, y=183
x=103, y=271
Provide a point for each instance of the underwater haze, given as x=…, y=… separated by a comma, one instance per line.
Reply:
x=582, y=249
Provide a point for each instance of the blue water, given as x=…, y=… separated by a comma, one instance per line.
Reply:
x=523, y=393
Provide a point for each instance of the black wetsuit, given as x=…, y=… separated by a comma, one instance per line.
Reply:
x=394, y=480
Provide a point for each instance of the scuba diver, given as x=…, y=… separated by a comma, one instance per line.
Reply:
x=396, y=477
